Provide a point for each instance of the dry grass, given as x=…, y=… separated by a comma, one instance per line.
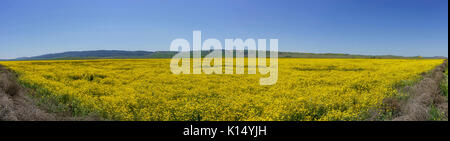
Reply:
x=16, y=106
x=6, y=108
x=422, y=97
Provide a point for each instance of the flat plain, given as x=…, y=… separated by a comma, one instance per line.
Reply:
x=146, y=90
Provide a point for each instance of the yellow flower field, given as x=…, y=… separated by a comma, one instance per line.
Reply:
x=145, y=89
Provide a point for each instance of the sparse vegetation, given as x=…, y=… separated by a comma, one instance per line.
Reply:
x=436, y=114
x=444, y=83
x=18, y=103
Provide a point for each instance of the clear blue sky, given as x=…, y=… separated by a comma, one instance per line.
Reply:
x=397, y=27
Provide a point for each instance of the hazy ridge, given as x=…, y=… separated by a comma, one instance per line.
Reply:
x=121, y=54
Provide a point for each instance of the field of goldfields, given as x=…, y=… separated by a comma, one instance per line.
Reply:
x=146, y=90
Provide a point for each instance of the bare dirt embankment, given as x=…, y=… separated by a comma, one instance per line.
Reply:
x=421, y=98
x=15, y=105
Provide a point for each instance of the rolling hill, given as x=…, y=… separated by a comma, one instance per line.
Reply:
x=120, y=54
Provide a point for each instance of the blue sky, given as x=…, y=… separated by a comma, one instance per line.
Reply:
x=397, y=27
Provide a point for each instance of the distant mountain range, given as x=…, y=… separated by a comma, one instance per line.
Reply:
x=101, y=54
x=120, y=54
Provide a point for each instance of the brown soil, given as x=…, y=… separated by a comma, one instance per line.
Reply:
x=422, y=96
x=15, y=105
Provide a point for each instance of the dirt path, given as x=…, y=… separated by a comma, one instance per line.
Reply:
x=423, y=96
x=15, y=105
